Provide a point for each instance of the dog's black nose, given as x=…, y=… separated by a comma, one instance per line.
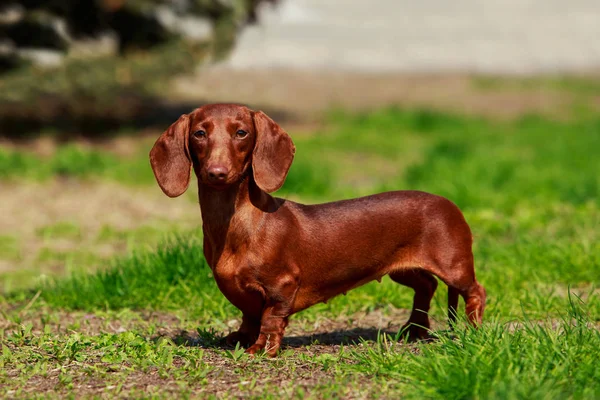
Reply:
x=217, y=174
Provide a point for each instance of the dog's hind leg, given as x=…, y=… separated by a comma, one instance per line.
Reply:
x=453, y=295
x=424, y=285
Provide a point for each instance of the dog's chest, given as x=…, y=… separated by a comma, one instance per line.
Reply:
x=239, y=286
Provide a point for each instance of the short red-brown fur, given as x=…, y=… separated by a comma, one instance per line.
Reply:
x=273, y=257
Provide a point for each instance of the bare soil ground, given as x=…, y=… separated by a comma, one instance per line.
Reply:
x=87, y=209
x=305, y=95
x=345, y=329
x=228, y=376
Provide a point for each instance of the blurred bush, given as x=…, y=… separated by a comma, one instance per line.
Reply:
x=44, y=32
x=92, y=67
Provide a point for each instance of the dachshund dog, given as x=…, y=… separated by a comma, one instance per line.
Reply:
x=273, y=257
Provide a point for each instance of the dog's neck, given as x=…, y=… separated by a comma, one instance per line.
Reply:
x=232, y=213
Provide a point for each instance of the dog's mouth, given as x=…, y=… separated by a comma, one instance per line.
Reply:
x=218, y=186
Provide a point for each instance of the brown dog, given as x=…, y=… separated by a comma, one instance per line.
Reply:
x=272, y=257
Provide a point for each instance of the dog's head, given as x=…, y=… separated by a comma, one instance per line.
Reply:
x=223, y=142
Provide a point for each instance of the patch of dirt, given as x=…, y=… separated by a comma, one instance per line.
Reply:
x=28, y=207
x=228, y=379
x=307, y=94
x=234, y=378
x=322, y=332
x=321, y=336
x=64, y=322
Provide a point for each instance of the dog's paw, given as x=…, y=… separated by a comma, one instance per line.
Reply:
x=257, y=348
x=412, y=333
x=243, y=338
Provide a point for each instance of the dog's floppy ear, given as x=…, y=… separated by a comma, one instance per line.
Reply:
x=170, y=158
x=273, y=153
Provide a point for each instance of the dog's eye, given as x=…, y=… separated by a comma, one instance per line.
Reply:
x=200, y=133
x=241, y=134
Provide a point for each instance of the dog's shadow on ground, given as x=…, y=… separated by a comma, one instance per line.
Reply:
x=334, y=338
x=339, y=337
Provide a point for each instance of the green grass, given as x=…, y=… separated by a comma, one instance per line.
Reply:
x=72, y=161
x=529, y=189
x=548, y=360
x=9, y=247
x=174, y=276
x=65, y=248
x=533, y=361
x=63, y=229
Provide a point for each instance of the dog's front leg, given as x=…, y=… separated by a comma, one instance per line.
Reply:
x=273, y=324
x=278, y=308
x=247, y=334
